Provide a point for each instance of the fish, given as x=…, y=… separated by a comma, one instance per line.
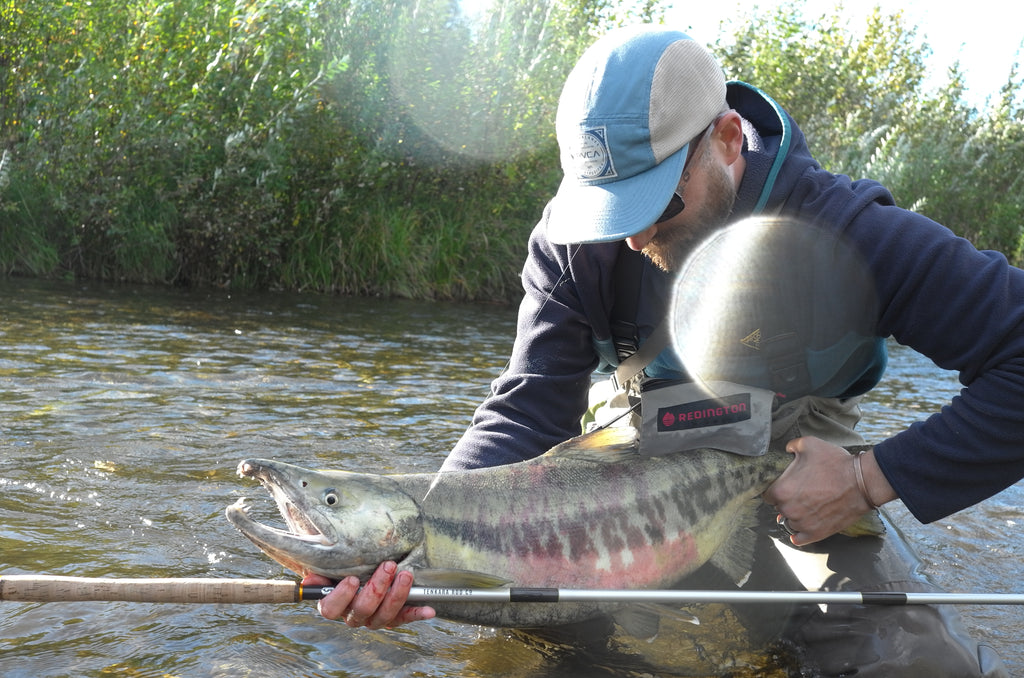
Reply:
x=593, y=512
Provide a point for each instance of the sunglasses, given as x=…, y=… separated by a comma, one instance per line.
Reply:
x=675, y=203
x=675, y=206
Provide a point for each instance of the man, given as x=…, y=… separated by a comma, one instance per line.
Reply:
x=658, y=151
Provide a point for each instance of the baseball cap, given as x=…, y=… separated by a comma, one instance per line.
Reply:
x=626, y=116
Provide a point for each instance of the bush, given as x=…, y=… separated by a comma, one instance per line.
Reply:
x=395, y=147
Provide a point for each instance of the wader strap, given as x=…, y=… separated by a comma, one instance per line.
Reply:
x=629, y=272
x=633, y=356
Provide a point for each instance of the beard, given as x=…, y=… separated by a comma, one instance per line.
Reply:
x=670, y=246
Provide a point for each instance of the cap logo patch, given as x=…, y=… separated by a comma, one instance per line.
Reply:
x=591, y=155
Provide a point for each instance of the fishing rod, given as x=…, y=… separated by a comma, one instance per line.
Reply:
x=50, y=589
x=671, y=596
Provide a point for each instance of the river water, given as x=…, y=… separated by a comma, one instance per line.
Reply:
x=124, y=411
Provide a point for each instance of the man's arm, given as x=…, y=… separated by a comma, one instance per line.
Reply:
x=963, y=309
x=540, y=398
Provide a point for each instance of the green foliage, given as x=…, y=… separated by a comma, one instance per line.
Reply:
x=845, y=89
x=860, y=98
x=385, y=147
x=399, y=147
x=978, y=189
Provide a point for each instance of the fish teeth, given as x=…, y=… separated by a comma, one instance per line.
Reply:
x=244, y=470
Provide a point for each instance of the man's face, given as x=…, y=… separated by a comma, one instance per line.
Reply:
x=709, y=193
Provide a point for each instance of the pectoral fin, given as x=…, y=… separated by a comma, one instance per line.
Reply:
x=736, y=556
x=638, y=622
x=451, y=578
x=644, y=619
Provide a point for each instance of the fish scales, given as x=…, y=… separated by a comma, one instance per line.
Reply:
x=592, y=513
x=506, y=514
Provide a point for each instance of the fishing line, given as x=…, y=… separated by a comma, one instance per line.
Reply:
x=632, y=408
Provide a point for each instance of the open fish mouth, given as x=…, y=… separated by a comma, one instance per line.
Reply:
x=299, y=527
x=302, y=525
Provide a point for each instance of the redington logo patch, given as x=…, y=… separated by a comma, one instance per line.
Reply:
x=711, y=412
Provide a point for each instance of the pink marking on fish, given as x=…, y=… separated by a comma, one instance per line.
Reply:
x=649, y=566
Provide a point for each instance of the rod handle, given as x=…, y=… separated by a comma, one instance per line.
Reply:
x=51, y=589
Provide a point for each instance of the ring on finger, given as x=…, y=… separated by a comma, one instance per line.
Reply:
x=783, y=522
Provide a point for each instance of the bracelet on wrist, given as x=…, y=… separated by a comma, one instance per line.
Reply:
x=860, y=480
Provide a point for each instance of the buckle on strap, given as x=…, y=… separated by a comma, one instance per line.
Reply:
x=787, y=364
x=634, y=365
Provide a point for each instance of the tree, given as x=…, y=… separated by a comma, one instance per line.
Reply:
x=845, y=91
x=861, y=102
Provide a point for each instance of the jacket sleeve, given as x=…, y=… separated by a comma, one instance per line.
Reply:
x=964, y=309
x=537, y=402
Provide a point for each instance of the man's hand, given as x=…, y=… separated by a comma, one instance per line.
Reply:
x=818, y=494
x=380, y=604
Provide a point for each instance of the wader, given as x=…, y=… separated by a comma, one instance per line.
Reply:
x=841, y=640
x=835, y=640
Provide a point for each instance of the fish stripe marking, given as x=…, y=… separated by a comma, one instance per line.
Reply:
x=592, y=541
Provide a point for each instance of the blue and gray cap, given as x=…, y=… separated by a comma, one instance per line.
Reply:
x=626, y=115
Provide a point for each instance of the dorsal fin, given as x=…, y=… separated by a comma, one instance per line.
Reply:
x=868, y=525
x=606, y=445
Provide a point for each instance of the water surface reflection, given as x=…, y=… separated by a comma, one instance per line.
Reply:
x=124, y=411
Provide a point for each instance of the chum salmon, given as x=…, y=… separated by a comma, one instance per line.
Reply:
x=590, y=513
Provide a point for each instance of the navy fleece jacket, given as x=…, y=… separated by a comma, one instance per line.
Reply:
x=961, y=307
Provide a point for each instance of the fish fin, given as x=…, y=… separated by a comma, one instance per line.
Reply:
x=662, y=610
x=643, y=620
x=452, y=578
x=868, y=525
x=638, y=621
x=604, y=445
x=736, y=556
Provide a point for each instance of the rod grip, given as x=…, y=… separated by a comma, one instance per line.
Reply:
x=37, y=588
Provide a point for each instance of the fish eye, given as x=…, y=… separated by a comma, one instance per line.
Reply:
x=331, y=497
